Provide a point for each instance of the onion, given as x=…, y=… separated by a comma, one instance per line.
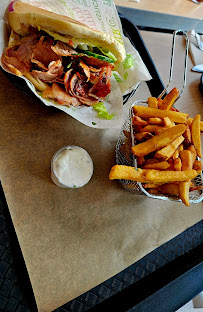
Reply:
x=10, y=7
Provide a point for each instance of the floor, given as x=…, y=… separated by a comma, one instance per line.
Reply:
x=193, y=306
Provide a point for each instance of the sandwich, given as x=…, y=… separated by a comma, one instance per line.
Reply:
x=66, y=61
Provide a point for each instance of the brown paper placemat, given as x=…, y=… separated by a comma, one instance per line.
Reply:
x=74, y=239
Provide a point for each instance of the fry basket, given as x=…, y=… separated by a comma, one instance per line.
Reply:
x=125, y=157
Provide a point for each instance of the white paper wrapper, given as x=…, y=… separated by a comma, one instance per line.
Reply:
x=125, y=78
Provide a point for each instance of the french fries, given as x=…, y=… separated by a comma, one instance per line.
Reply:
x=169, y=99
x=163, y=165
x=195, y=131
x=166, y=152
x=147, y=112
x=184, y=187
x=156, y=121
x=150, y=175
x=152, y=102
x=167, y=144
x=177, y=164
x=128, y=173
x=158, y=141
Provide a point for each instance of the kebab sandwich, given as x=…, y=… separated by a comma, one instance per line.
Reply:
x=64, y=59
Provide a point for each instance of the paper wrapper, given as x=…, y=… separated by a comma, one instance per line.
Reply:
x=126, y=78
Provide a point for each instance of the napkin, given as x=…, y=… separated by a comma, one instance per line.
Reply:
x=195, y=53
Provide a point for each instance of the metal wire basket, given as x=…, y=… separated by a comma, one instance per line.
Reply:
x=125, y=157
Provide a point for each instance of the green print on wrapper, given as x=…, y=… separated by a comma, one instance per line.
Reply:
x=70, y=12
x=128, y=62
x=98, y=14
x=85, y=3
x=107, y=2
x=111, y=21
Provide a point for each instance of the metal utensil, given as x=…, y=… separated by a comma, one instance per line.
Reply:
x=198, y=68
x=184, y=34
x=196, y=40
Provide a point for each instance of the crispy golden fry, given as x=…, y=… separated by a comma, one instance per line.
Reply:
x=147, y=112
x=189, y=121
x=140, y=161
x=169, y=189
x=191, y=148
x=177, y=164
x=151, y=161
x=156, y=121
x=170, y=161
x=166, y=152
x=143, y=136
x=150, y=175
x=128, y=146
x=137, y=121
x=184, y=187
x=187, y=160
x=180, y=147
x=176, y=154
x=151, y=185
x=168, y=123
x=128, y=173
x=153, y=128
x=169, y=99
x=127, y=134
x=195, y=188
x=197, y=166
x=187, y=136
x=157, y=176
x=158, y=141
x=163, y=165
x=195, y=131
x=153, y=191
x=159, y=101
x=152, y=102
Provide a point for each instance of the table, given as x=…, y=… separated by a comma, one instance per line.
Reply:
x=163, y=15
x=163, y=43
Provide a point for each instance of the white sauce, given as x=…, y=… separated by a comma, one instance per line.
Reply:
x=72, y=167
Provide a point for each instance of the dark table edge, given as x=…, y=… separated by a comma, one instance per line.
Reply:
x=166, y=22
x=171, y=280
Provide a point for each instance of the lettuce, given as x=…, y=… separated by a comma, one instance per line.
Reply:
x=102, y=112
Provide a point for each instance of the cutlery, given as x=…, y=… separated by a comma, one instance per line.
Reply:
x=196, y=40
x=198, y=68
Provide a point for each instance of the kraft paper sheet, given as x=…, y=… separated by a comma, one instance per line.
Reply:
x=74, y=239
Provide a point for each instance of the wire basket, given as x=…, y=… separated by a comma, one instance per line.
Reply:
x=128, y=159
x=124, y=156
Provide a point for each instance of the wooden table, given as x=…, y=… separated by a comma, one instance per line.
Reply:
x=185, y=8
x=168, y=15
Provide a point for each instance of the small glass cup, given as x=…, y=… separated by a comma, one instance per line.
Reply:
x=81, y=180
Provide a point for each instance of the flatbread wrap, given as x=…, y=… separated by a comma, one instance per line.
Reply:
x=64, y=59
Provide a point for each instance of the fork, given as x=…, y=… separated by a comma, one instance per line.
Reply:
x=195, y=38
